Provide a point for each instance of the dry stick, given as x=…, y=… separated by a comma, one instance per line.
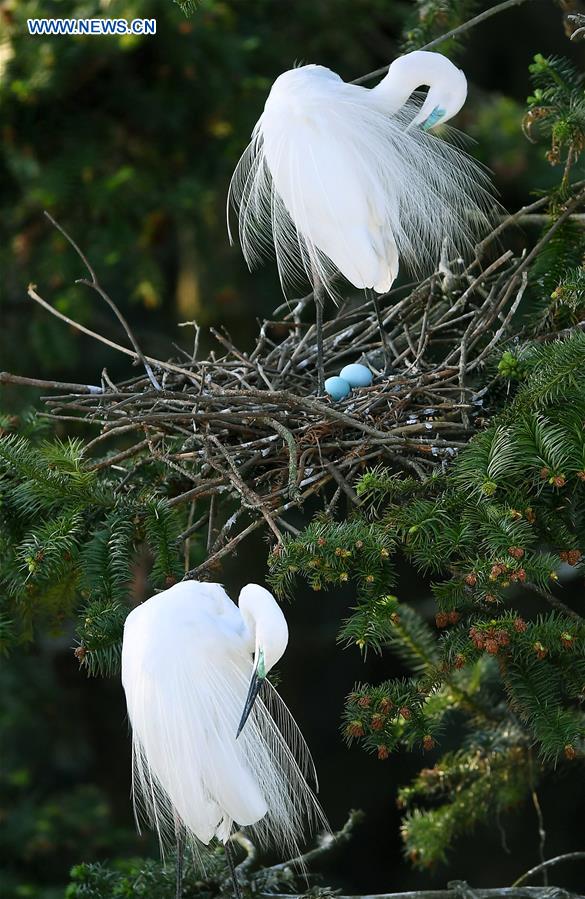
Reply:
x=212, y=510
x=226, y=528
x=461, y=29
x=203, y=490
x=229, y=547
x=249, y=364
x=494, y=266
x=459, y=890
x=211, y=561
x=319, y=295
x=288, y=438
x=552, y=600
x=512, y=219
x=550, y=863
x=7, y=378
x=193, y=528
x=570, y=207
x=510, y=314
x=95, y=285
x=255, y=502
x=125, y=454
x=167, y=366
x=512, y=282
x=343, y=485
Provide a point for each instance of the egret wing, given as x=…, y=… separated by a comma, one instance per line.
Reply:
x=186, y=667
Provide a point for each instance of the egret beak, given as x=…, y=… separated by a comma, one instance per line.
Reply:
x=258, y=676
x=434, y=118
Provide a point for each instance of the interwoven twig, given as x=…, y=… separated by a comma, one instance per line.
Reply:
x=249, y=425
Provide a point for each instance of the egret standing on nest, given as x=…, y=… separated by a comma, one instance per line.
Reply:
x=342, y=179
x=208, y=754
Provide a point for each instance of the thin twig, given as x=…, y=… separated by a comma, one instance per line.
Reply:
x=95, y=285
x=461, y=29
x=550, y=863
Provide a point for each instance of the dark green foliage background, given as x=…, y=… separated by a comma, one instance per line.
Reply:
x=130, y=143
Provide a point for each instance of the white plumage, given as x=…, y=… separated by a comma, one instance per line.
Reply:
x=344, y=179
x=188, y=657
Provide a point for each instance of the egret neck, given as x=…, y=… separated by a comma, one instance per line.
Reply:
x=447, y=86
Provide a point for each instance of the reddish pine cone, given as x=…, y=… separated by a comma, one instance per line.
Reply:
x=570, y=752
x=441, y=619
x=454, y=617
x=80, y=652
x=497, y=570
x=516, y=552
x=471, y=579
x=476, y=637
x=355, y=729
x=364, y=702
x=428, y=743
x=378, y=721
x=459, y=661
x=520, y=625
x=540, y=650
x=385, y=705
x=405, y=713
x=383, y=752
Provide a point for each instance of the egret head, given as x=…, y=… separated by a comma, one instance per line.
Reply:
x=269, y=633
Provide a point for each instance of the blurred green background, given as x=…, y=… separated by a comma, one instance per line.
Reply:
x=130, y=143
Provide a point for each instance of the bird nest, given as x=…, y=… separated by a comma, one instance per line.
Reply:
x=249, y=425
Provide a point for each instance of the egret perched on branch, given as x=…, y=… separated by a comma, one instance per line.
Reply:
x=208, y=753
x=342, y=179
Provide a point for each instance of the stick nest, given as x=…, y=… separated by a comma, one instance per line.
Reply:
x=249, y=426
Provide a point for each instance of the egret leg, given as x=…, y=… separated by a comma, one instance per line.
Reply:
x=232, y=866
x=383, y=336
x=319, y=294
x=180, y=831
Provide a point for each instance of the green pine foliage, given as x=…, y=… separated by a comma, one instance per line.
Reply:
x=503, y=519
x=70, y=539
x=556, y=114
x=463, y=790
x=556, y=109
x=203, y=878
x=497, y=524
x=432, y=18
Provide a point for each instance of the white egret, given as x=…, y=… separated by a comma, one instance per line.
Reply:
x=342, y=179
x=208, y=754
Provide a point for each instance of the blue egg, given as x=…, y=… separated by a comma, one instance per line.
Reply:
x=356, y=375
x=337, y=388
